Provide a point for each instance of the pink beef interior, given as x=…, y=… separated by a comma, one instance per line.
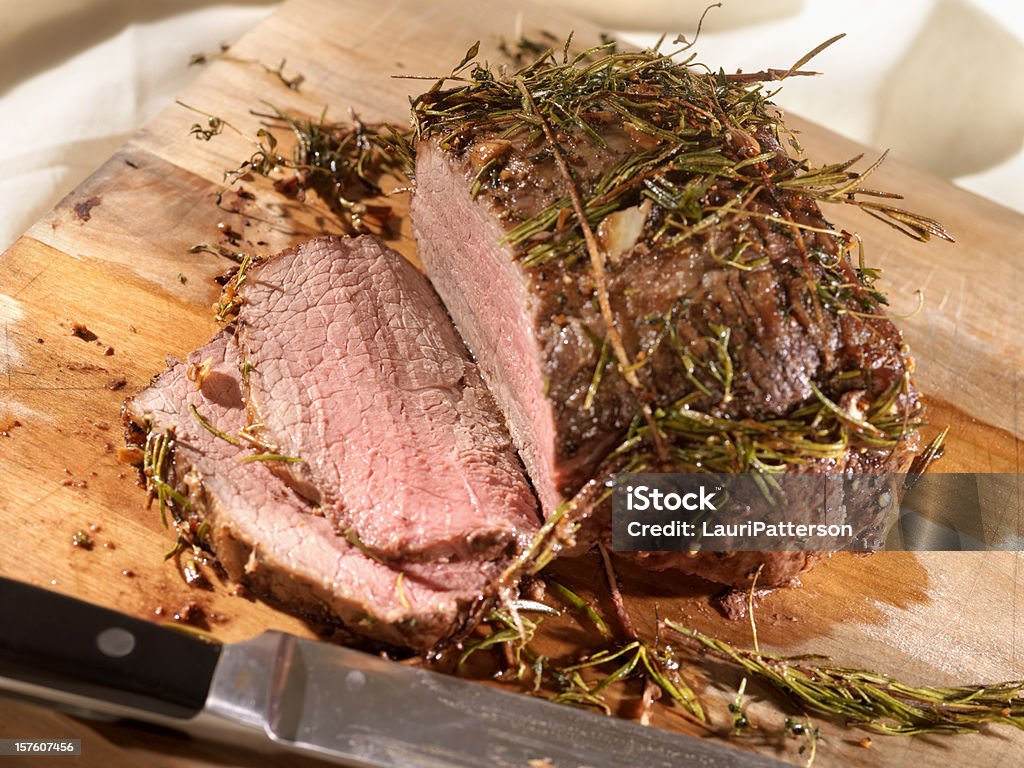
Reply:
x=357, y=369
x=266, y=536
x=486, y=292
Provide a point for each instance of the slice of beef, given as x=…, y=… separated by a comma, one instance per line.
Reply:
x=353, y=366
x=737, y=337
x=266, y=536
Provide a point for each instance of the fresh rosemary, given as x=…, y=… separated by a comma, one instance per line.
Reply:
x=344, y=163
x=871, y=700
x=700, y=129
x=849, y=696
x=583, y=683
x=700, y=441
x=270, y=457
x=157, y=460
x=205, y=424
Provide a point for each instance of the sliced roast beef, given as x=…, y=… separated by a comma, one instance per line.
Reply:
x=266, y=536
x=353, y=367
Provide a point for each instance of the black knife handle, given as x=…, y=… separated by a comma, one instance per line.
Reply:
x=58, y=642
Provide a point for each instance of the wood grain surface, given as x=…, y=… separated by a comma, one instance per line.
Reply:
x=114, y=256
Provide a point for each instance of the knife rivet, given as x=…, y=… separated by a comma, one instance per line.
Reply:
x=115, y=642
x=355, y=680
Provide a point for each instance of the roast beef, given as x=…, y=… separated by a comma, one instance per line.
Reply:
x=266, y=536
x=736, y=301
x=352, y=366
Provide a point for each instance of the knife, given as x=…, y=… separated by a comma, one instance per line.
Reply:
x=340, y=704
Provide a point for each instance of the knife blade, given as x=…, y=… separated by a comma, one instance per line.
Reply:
x=341, y=704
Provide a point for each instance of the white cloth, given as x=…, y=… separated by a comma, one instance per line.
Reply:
x=78, y=77
x=941, y=82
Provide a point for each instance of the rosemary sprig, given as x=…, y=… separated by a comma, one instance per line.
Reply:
x=634, y=658
x=179, y=546
x=205, y=424
x=157, y=465
x=336, y=155
x=229, y=302
x=597, y=266
x=558, y=530
x=932, y=452
x=580, y=604
x=857, y=697
x=271, y=457
x=157, y=460
x=264, y=455
x=400, y=590
x=513, y=633
x=352, y=537
x=871, y=700
x=342, y=162
x=705, y=128
x=837, y=184
x=698, y=440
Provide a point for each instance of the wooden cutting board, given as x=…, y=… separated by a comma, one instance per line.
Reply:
x=114, y=256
